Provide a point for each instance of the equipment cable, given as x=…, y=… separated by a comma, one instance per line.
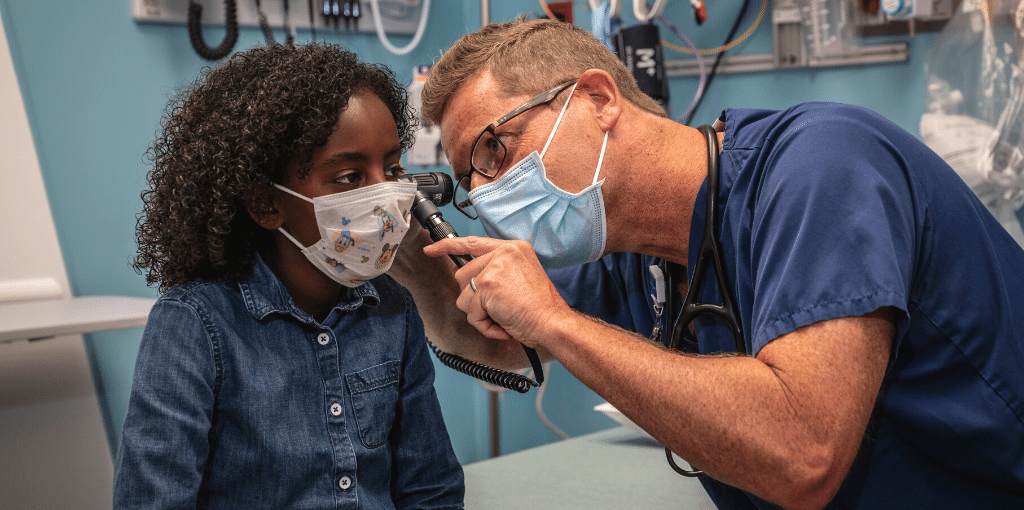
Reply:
x=312, y=20
x=268, y=33
x=547, y=10
x=195, y=31
x=700, y=64
x=379, y=25
x=727, y=46
x=507, y=380
x=539, y=405
x=714, y=67
x=643, y=15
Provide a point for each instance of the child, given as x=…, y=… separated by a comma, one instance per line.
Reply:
x=277, y=371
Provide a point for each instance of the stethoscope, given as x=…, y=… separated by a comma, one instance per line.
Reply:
x=710, y=251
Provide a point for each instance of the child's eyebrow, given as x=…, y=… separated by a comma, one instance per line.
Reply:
x=359, y=157
x=394, y=151
x=344, y=157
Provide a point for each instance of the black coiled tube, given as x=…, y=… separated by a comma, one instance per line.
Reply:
x=268, y=33
x=195, y=31
x=509, y=380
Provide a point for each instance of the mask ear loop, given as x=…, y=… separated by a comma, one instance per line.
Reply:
x=290, y=238
x=604, y=145
x=558, y=121
x=290, y=192
x=281, y=229
x=600, y=158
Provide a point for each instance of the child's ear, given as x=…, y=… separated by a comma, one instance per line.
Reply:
x=261, y=203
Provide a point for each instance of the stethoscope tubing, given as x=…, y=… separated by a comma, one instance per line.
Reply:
x=710, y=250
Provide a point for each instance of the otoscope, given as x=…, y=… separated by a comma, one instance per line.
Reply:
x=435, y=189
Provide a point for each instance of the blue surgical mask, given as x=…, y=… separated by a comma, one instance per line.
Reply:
x=565, y=229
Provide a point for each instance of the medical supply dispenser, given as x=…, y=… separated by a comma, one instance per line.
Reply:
x=639, y=47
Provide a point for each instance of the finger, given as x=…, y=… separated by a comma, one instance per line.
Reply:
x=465, y=274
x=492, y=330
x=478, y=318
x=496, y=331
x=471, y=245
x=471, y=301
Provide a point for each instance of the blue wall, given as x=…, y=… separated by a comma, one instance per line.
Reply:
x=95, y=84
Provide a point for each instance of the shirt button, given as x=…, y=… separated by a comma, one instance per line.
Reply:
x=324, y=338
x=345, y=482
x=336, y=409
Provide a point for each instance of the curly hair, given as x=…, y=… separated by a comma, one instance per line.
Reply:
x=233, y=133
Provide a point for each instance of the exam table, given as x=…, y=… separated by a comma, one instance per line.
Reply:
x=618, y=468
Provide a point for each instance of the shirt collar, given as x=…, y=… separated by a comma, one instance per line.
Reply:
x=264, y=294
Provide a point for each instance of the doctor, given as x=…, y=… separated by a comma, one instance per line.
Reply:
x=881, y=305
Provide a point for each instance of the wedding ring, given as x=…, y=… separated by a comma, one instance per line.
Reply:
x=472, y=284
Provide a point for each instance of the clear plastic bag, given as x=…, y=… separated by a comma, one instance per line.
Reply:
x=974, y=112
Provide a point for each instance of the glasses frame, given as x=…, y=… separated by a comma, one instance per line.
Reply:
x=541, y=99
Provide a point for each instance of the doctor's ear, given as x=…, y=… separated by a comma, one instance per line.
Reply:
x=261, y=205
x=604, y=93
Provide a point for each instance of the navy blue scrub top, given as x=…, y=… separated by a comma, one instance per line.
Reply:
x=829, y=211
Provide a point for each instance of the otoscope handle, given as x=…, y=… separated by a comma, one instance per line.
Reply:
x=426, y=212
x=430, y=217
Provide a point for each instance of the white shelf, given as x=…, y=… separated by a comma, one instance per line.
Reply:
x=44, y=319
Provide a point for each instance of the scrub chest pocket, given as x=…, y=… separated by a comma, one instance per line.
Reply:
x=374, y=394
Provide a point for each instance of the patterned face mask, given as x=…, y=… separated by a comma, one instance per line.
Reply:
x=360, y=230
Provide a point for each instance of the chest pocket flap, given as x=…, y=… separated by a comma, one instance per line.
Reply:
x=374, y=393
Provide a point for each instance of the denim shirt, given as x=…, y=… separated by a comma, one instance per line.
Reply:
x=242, y=400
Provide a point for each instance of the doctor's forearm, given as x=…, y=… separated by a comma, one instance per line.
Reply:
x=729, y=416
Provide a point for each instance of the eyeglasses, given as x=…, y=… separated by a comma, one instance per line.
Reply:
x=488, y=153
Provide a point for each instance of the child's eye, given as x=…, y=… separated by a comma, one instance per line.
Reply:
x=394, y=171
x=348, y=178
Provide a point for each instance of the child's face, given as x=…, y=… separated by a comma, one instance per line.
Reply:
x=363, y=150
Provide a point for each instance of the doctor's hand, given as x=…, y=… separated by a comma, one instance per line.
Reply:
x=514, y=299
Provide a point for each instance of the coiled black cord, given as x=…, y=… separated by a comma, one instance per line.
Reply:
x=508, y=380
x=195, y=31
x=268, y=33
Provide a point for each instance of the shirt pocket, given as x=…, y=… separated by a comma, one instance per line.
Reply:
x=374, y=393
